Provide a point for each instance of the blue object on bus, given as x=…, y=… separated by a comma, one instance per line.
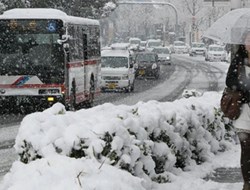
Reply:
x=52, y=26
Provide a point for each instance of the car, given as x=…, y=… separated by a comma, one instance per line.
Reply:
x=134, y=43
x=215, y=53
x=197, y=48
x=180, y=47
x=164, y=54
x=147, y=65
x=117, y=69
x=152, y=43
x=143, y=45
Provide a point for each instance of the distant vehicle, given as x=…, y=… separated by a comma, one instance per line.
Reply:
x=164, y=54
x=152, y=43
x=215, y=53
x=147, y=65
x=48, y=57
x=197, y=48
x=117, y=70
x=134, y=43
x=143, y=45
x=180, y=47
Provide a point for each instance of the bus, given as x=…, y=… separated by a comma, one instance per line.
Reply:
x=47, y=56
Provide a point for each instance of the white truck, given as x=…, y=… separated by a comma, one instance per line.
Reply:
x=117, y=69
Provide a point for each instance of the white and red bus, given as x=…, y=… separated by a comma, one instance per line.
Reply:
x=47, y=56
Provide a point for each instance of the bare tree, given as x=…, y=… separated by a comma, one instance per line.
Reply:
x=87, y=8
x=194, y=7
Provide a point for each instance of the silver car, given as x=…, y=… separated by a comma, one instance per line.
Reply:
x=164, y=54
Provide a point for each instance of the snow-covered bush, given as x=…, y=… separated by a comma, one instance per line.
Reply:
x=150, y=140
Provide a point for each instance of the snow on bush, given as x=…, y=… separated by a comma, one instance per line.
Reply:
x=63, y=173
x=150, y=140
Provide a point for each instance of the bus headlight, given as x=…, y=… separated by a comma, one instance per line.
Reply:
x=50, y=99
x=154, y=66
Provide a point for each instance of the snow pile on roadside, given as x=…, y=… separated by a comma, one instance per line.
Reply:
x=152, y=140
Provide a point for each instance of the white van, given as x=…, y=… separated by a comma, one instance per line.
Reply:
x=152, y=43
x=117, y=69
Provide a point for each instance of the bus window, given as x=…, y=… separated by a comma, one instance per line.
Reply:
x=85, y=45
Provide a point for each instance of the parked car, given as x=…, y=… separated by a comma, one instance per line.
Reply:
x=215, y=53
x=147, y=65
x=180, y=47
x=164, y=54
x=197, y=48
x=152, y=43
x=117, y=70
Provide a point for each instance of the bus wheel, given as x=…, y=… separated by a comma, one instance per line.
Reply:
x=133, y=86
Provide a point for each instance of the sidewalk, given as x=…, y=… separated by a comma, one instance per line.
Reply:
x=226, y=175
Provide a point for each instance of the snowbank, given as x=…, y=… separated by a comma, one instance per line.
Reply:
x=152, y=141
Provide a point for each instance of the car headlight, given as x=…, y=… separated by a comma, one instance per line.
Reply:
x=168, y=57
x=125, y=77
x=154, y=66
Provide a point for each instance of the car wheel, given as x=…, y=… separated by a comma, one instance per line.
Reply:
x=157, y=76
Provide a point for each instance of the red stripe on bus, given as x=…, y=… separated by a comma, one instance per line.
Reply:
x=80, y=63
x=90, y=62
x=33, y=86
x=18, y=80
x=75, y=64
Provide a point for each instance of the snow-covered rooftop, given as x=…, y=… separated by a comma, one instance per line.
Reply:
x=45, y=13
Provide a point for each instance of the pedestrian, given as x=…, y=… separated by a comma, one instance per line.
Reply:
x=238, y=78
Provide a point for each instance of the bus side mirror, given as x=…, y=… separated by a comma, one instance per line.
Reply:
x=64, y=39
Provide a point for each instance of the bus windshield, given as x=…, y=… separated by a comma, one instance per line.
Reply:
x=29, y=47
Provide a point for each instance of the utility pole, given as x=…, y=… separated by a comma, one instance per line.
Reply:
x=213, y=10
x=193, y=22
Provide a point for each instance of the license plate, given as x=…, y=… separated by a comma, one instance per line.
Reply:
x=141, y=72
x=111, y=86
x=21, y=99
